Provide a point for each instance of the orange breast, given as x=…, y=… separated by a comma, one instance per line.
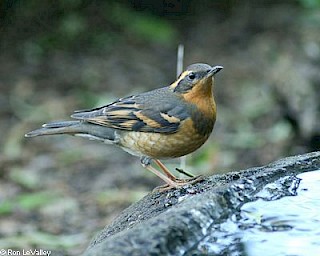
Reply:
x=161, y=146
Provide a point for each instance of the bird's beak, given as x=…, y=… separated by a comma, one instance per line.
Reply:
x=214, y=71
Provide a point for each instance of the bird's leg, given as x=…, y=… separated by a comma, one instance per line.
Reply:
x=145, y=161
x=165, y=170
x=174, y=178
x=171, y=176
x=170, y=180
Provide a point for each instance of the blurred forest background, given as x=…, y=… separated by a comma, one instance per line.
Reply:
x=59, y=56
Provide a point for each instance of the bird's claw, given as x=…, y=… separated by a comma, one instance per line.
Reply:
x=179, y=183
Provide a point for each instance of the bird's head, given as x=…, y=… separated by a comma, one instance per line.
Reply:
x=197, y=77
x=195, y=86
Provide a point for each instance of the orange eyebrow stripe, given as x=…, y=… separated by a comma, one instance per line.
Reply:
x=183, y=75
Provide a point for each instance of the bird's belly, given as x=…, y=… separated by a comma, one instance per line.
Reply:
x=161, y=146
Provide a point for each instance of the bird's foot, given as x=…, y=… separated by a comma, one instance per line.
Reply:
x=178, y=183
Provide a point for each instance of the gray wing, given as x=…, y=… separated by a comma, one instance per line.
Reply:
x=159, y=111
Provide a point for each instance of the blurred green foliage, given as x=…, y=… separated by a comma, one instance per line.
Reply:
x=27, y=202
x=18, y=176
x=144, y=25
x=42, y=239
x=310, y=3
x=84, y=25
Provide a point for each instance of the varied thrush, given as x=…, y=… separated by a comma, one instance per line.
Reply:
x=164, y=123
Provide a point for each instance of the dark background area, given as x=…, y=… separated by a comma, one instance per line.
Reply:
x=59, y=56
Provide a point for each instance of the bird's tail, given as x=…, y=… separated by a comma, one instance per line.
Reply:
x=77, y=128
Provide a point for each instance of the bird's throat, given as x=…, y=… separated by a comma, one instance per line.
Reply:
x=201, y=96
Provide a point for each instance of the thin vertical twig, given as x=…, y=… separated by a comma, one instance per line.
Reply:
x=180, y=56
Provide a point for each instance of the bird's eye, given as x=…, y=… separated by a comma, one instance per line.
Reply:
x=191, y=76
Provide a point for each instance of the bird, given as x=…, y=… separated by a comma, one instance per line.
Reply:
x=164, y=123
